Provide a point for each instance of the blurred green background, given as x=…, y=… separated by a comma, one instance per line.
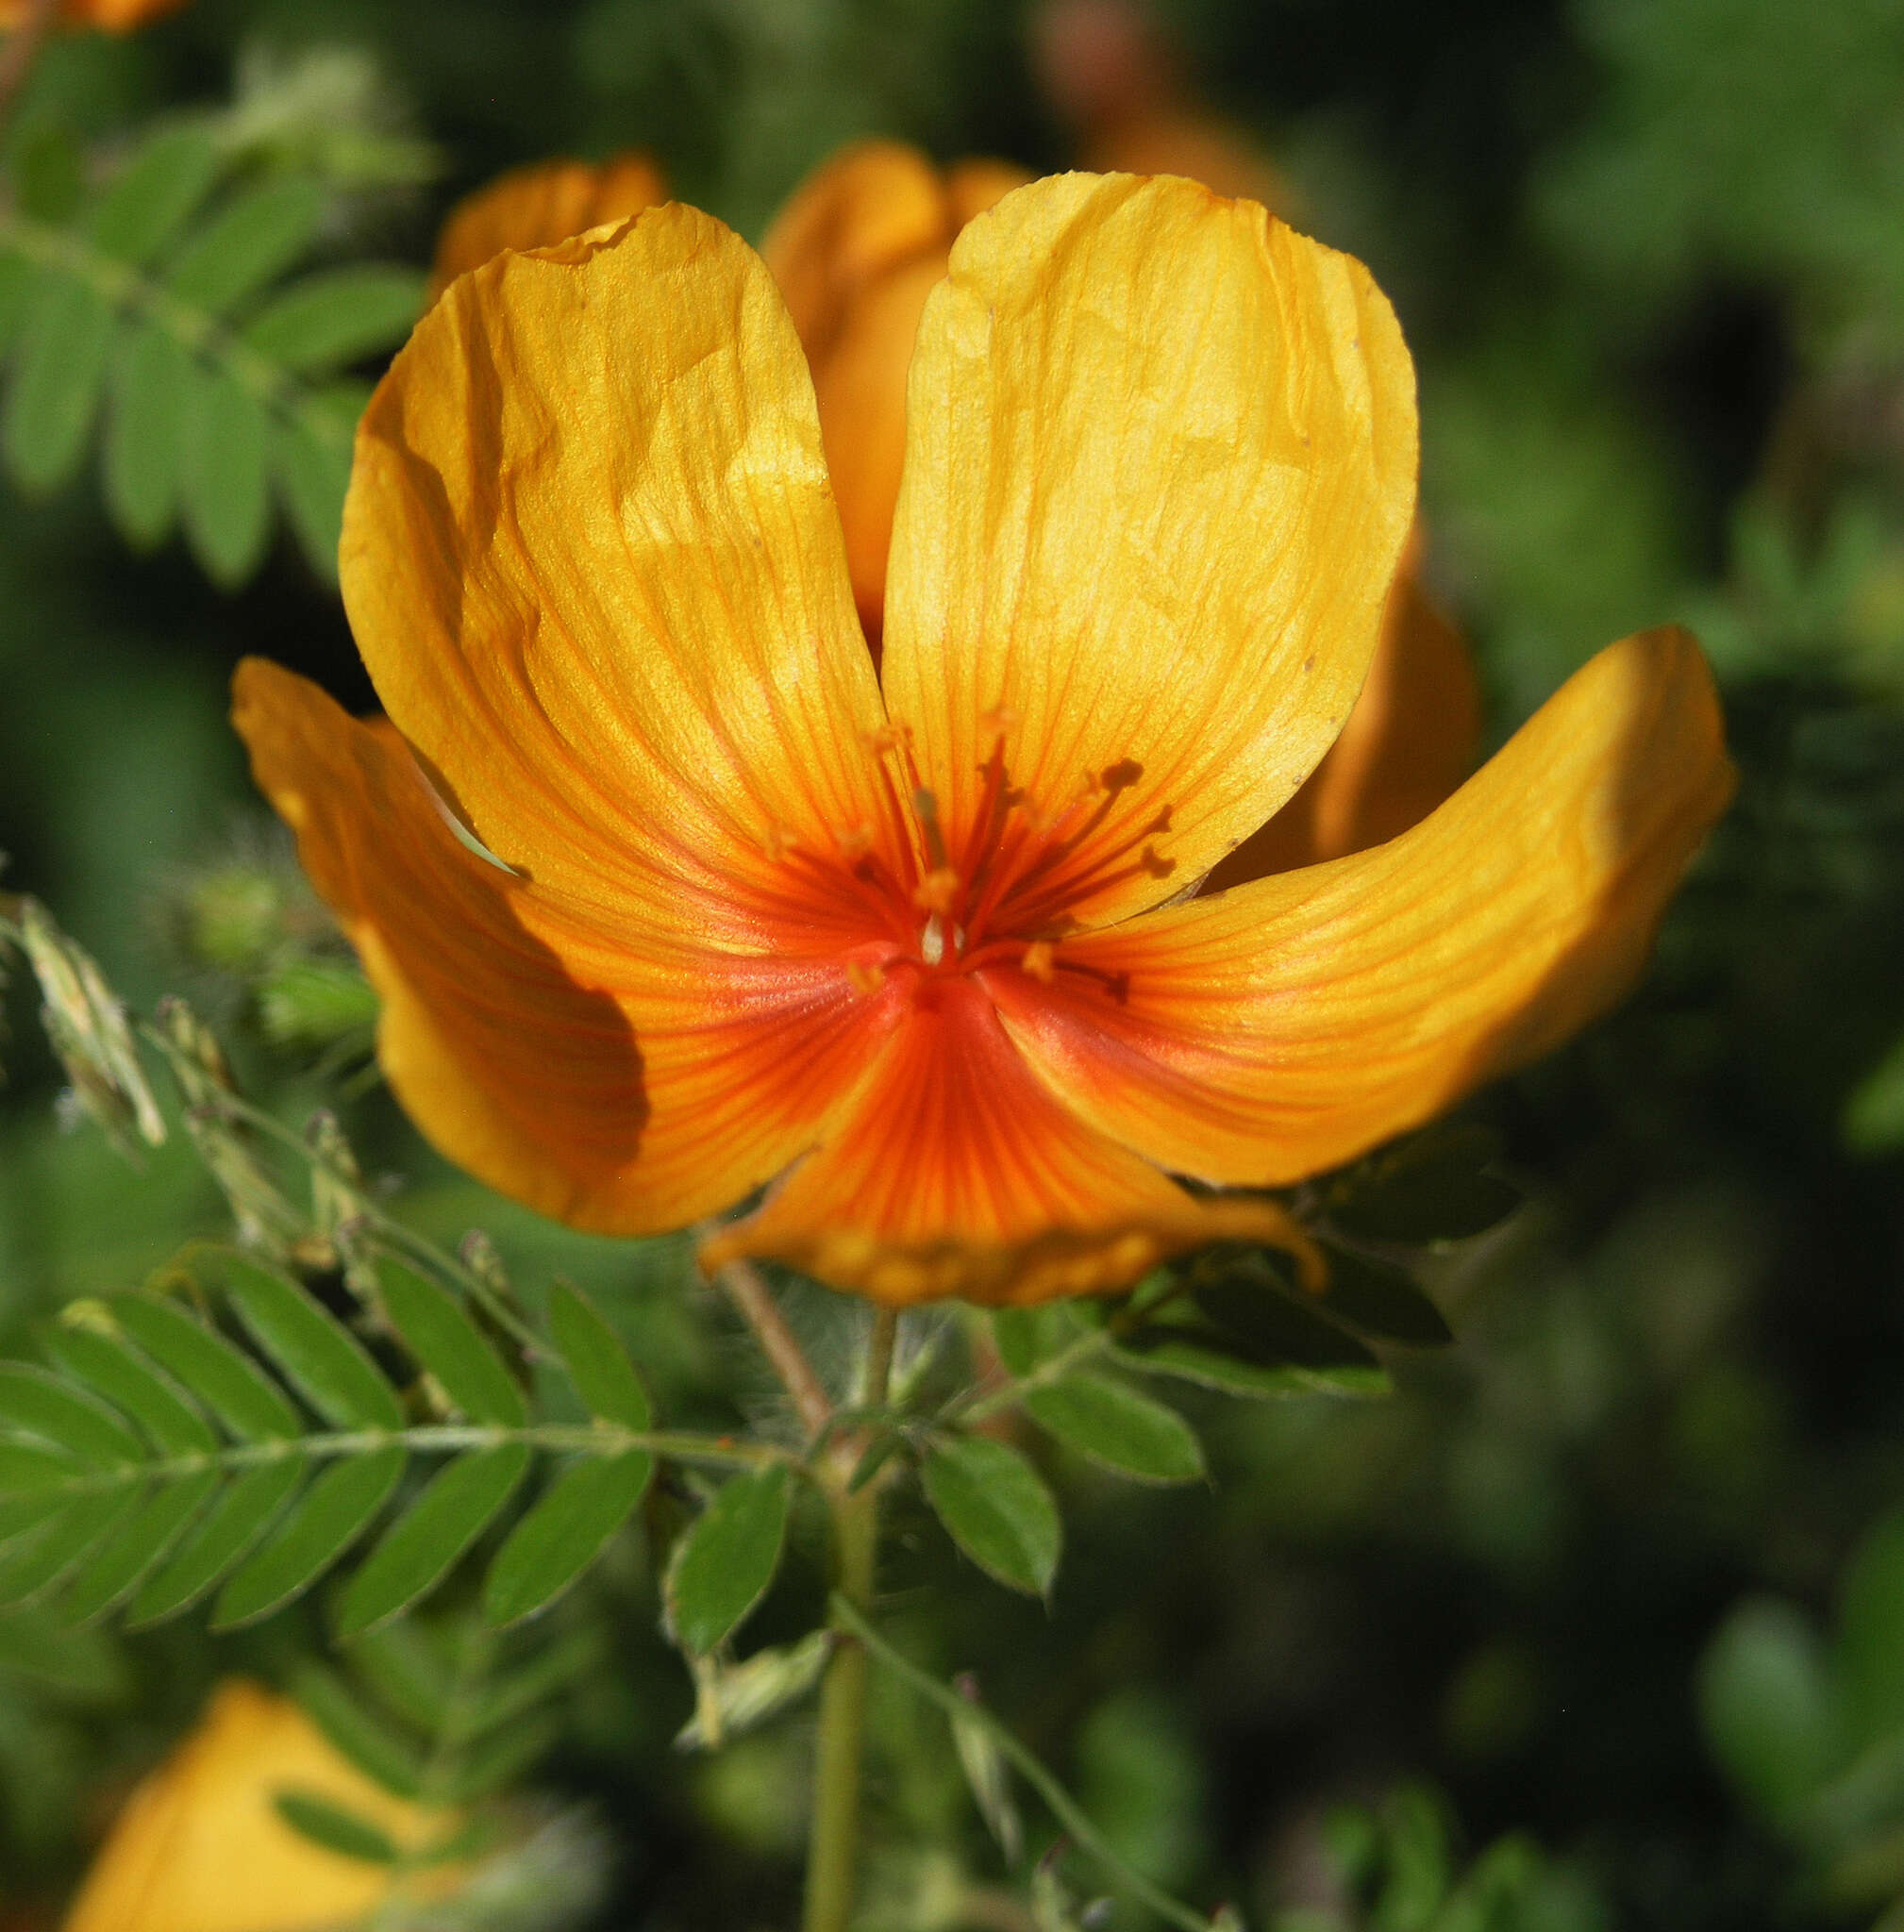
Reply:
x=1575, y=1619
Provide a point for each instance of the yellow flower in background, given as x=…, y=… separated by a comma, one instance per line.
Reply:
x=548, y=200
x=916, y=947
x=200, y=1845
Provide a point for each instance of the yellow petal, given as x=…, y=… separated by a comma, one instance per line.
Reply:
x=957, y=1173
x=200, y=1847
x=1284, y=1026
x=591, y=559
x=1408, y=744
x=856, y=249
x=540, y=204
x=1159, y=464
x=621, y=1076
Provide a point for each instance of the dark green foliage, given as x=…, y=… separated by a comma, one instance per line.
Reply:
x=158, y=308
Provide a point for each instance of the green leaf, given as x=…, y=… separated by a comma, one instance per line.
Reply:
x=151, y=1399
x=500, y=1759
x=1871, y=1630
x=224, y=488
x=38, y=1402
x=1272, y=1328
x=154, y=196
x=997, y=1509
x=337, y=317
x=321, y=1526
x=747, y=1694
x=24, y=1512
x=377, y=1749
x=250, y=242
x=1113, y=1424
x=49, y=174
x=29, y=1472
x=412, y=1668
x=16, y=277
x=725, y=1560
x=312, y=475
x=1379, y=1299
x=1766, y=1701
x=330, y=1826
x=1026, y=1336
x=58, y=372
x=242, y=1399
x=320, y=1356
x=42, y=1560
x=461, y=1502
x=1167, y=1352
x=1873, y=1120
x=115, y=1569
x=597, y=1363
x=1432, y=1188
x=226, y=1533
x=440, y=1334
x=144, y=433
x=563, y=1533
x=507, y=1697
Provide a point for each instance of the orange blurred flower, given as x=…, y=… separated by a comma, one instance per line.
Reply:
x=108, y=16
x=923, y=952
x=548, y=200
x=200, y=1845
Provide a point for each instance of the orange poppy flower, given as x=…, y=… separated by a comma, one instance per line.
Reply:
x=200, y=1845
x=922, y=956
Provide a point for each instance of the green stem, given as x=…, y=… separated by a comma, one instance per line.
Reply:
x=833, y=1842
x=1062, y=1806
x=587, y=1439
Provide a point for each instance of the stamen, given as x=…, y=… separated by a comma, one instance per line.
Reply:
x=1040, y=960
x=926, y=806
x=937, y=892
x=864, y=978
x=932, y=941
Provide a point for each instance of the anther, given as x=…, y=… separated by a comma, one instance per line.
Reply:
x=932, y=941
x=937, y=891
x=1038, y=961
x=864, y=978
x=778, y=844
x=885, y=737
x=855, y=842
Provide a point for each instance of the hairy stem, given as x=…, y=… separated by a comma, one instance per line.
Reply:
x=848, y=1617
x=833, y=1842
x=755, y=1300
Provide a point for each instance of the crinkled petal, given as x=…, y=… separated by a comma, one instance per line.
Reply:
x=540, y=204
x=1407, y=746
x=856, y=249
x=1286, y=1025
x=957, y=1172
x=618, y=1077
x=591, y=557
x=1159, y=464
